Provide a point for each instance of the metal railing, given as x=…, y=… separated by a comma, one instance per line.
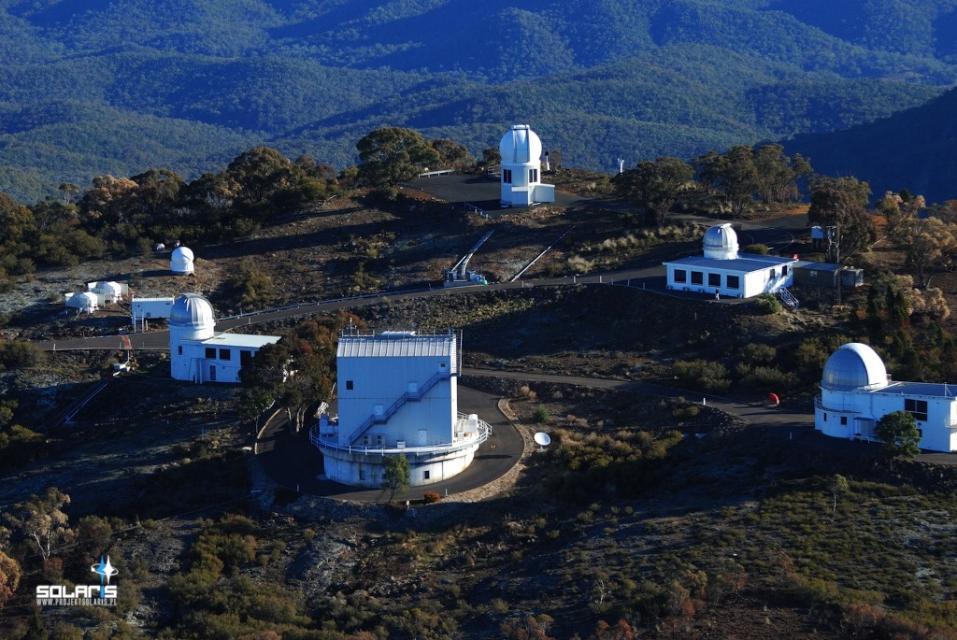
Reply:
x=483, y=432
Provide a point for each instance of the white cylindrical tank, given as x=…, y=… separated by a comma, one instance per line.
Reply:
x=190, y=319
x=84, y=302
x=181, y=261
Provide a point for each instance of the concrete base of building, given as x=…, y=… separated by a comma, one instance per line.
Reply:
x=365, y=468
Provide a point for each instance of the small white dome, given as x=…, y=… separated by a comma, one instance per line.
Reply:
x=111, y=288
x=85, y=301
x=191, y=310
x=721, y=243
x=181, y=260
x=520, y=145
x=854, y=366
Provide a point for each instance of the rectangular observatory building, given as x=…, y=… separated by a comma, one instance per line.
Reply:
x=397, y=388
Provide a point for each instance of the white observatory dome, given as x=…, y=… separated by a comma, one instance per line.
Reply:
x=110, y=289
x=181, y=260
x=721, y=243
x=83, y=302
x=854, y=366
x=192, y=311
x=520, y=145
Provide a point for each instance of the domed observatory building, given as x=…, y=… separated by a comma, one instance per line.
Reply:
x=856, y=393
x=723, y=269
x=397, y=396
x=521, y=150
x=199, y=354
x=181, y=261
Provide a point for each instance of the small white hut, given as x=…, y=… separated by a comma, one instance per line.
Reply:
x=83, y=302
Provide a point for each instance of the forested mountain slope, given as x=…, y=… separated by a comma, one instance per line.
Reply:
x=913, y=150
x=110, y=85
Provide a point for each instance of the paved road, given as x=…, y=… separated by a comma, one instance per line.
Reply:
x=292, y=464
x=753, y=413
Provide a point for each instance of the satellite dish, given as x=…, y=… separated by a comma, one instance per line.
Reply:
x=542, y=439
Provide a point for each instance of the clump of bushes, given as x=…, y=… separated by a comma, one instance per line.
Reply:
x=705, y=375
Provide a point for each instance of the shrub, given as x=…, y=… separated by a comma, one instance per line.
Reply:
x=541, y=415
x=768, y=304
x=702, y=374
x=431, y=497
x=758, y=248
x=898, y=431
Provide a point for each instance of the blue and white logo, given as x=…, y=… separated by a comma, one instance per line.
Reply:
x=105, y=570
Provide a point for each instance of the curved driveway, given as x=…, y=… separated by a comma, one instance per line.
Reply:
x=292, y=465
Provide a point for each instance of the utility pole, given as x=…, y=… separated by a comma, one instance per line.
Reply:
x=833, y=234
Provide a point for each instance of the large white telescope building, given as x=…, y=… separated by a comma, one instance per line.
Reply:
x=521, y=151
x=397, y=396
x=199, y=354
x=856, y=393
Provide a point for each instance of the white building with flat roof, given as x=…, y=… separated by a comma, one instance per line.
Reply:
x=521, y=151
x=397, y=395
x=142, y=310
x=722, y=269
x=856, y=392
x=199, y=354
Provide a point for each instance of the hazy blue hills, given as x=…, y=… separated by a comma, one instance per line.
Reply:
x=117, y=86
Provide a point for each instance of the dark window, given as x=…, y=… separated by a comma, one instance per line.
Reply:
x=507, y=176
x=843, y=421
x=225, y=354
x=179, y=349
x=714, y=279
x=245, y=357
x=533, y=175
x=348, y=385
x=733, y=282
x=697, y=277
x=210, y=353
x=425, y=475
x=917, y=408
x=681, y=275
x=784, y=270
x=825, y=417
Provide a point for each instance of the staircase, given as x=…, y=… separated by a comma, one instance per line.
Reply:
x=415, y=396
x=788, y=298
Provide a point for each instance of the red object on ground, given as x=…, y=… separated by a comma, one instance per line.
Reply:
x=774, y=398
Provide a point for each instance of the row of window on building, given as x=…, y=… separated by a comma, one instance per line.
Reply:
x=507, y=176
x=917, y=408
x=226, y=355
x=714, y=279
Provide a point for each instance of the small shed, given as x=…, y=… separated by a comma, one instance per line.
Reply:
x=826, y=275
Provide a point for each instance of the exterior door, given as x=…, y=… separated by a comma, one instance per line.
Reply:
x=212, y=373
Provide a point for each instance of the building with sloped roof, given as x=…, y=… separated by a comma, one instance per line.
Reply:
x=397, y=395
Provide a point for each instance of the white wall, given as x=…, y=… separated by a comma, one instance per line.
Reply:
x=379, y=382
x=863, y=409
x=751, y=284
x=192, y=365
x=366, y=470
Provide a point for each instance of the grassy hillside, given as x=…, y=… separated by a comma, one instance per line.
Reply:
x=87, y=88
